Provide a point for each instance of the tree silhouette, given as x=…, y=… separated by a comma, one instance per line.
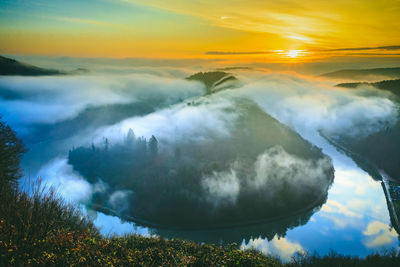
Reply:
x=153, y=146
x=130, y=137
x=106, y=144
x=11, y=150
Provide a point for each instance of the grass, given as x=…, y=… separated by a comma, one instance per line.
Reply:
x=386, y=258
x=40, y=229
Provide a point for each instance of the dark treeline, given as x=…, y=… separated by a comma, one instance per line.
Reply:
x=133, y=155
x=381, y=148
x=364, y=73
x=90, y=117
x=392, y=86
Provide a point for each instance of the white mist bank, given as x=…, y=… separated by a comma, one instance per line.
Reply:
x=274, y=170
x=50, y=99
x=309, y=105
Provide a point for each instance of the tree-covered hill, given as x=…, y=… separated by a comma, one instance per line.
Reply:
x=224, y=180
x=360, y=74
x=214, y=80
x=381, y=148
x=10, y=66
x=392, y=86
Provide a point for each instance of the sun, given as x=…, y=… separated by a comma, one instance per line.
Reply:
x=293, y=53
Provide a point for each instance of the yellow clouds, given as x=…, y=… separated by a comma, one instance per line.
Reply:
x=379, y=234
x=292, y=25
x=93, y=22
x=278, y=246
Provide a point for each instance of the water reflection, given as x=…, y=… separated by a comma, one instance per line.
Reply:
x=279, y=246
x=378, y=234
x=223, y=236
x=111, y=225
x=353, y=221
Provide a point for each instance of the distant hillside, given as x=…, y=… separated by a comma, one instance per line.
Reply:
x=388, y=85
x=10, y=66
x=233, y=68
x=214, y=80
x=355, y=74
x=382, y=148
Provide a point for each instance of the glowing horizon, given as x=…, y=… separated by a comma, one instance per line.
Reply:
x=240, y=30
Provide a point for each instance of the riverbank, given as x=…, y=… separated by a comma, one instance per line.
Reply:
x=389, y=186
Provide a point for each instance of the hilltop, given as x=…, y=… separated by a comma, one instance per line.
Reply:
x=9, y=66
x=380, y=148
x=214, y=80
x=392, y=86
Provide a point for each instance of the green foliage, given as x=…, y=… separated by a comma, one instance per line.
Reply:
x=85, y=248
x=27, y=220
x=11, y=150
x=332, y=259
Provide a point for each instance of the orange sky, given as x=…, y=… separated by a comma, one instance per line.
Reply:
x=280, y=30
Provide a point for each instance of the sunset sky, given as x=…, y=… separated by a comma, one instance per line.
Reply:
x=276, y=30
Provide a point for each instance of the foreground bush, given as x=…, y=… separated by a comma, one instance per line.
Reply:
x=26, y=221
x=41, y=230
x=11, y=150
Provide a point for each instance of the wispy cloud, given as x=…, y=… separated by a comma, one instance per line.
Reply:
x=379, y=234
x=383, y=48
x=239, y=52
x=373, y=54
x=85, y=21
x=350, y=51
x=318, y=23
